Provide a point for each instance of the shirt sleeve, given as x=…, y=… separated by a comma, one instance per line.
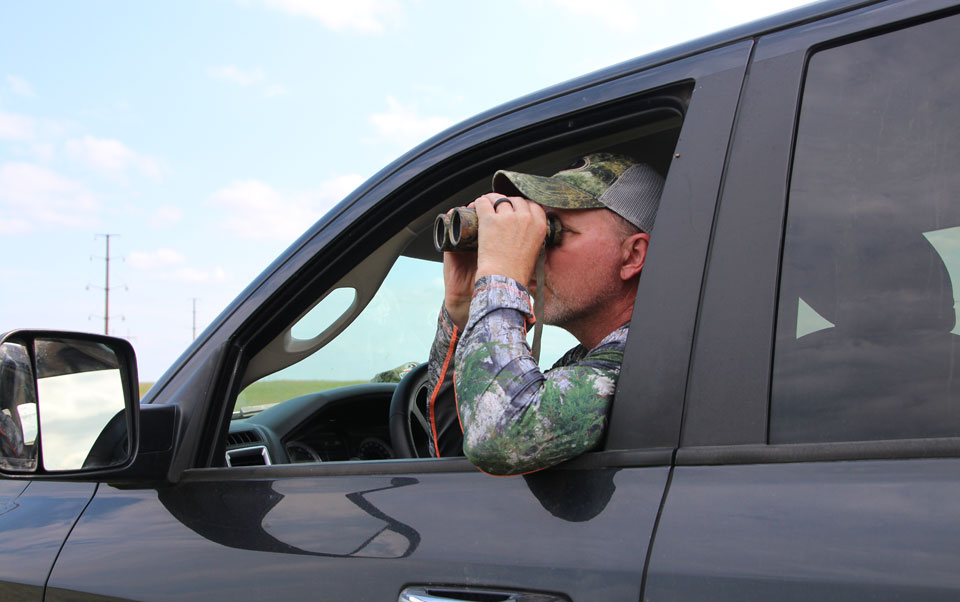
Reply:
x=446, y=438
x=517, y=419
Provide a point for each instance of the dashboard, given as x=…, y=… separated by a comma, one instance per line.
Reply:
x=348, y=423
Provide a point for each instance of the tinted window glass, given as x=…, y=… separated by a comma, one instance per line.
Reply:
x=866, y=343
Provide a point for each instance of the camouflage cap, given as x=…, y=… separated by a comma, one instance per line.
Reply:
x=617, y=182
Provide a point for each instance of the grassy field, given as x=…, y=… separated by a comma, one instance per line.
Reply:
x=273, y=391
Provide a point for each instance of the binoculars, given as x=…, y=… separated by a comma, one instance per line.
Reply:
x=457, y=231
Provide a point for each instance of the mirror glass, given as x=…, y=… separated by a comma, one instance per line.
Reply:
x=18, y=409
x=81, y=405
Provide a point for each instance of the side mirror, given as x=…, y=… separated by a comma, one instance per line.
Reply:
x=68, y=402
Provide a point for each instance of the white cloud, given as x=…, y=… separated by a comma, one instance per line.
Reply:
x=21, y=86
x=234, y=74
x=272, y=90
x=15, y=127
x=152, y=260
x=43, y=151
x=247, y=78
x=404, y=126
x=31, y=195
x=364, y=16
x=257, y=210
x=165, y=216
x=11, y=226
x=744, y=11
x=194, y=275
x=112, y=157
x=39, y=135
x=170, y=265
x=618, y=15
x=629, y=16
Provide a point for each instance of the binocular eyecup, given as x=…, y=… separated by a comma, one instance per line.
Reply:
x=457, y=230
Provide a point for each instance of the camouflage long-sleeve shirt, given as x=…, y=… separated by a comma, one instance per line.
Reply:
x=516, y=419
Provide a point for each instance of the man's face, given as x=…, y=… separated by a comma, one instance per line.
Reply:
x=583, y=272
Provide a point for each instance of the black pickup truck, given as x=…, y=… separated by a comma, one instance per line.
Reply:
x=787, y=421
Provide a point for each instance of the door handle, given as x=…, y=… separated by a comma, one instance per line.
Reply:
x=421, y=593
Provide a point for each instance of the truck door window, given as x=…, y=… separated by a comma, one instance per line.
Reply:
x=867, y=345
x=391, y=336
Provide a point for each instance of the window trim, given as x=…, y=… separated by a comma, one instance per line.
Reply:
x=789, y=453
x=646, y=458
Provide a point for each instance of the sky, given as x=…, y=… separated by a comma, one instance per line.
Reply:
x=205, y=136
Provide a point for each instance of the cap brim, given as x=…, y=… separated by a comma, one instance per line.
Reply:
x=546, y=191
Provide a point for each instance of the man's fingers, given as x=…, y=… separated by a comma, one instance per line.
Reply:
x=499, y=202
x=483, y=205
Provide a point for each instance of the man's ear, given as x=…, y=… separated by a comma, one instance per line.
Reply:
x=633, y=253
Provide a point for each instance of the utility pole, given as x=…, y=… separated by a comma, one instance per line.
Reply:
x=106, y=287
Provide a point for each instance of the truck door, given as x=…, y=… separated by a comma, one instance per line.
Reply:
x=353, y=529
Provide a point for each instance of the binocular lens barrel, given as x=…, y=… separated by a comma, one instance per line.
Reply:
x=464, y=229
x=458, y=230
x=441, y=227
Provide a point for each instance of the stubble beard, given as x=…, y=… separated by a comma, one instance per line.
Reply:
x=569, y=311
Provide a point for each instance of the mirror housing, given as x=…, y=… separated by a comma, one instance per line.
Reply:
x=69, y=404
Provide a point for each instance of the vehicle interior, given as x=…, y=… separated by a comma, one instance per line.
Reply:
x=357, y=349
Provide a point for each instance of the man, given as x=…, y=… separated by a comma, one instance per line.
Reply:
x=514, y=418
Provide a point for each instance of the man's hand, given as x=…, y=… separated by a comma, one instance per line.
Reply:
x=510, y=236
x=459, y=276
x=510, y=240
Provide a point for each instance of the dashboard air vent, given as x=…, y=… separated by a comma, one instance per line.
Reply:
x=243, y=438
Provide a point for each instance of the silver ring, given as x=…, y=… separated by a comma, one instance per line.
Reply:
x=502, y=200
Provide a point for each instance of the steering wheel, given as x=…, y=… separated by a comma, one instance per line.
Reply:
x=409, y=428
